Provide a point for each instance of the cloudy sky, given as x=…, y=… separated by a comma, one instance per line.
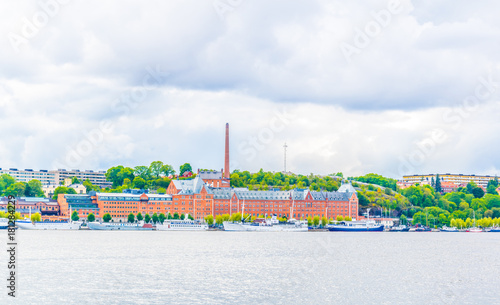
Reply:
x=391, y=87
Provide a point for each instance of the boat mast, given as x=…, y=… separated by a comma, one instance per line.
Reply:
x=243, y=209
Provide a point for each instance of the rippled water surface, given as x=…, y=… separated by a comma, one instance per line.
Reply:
x=107, y=267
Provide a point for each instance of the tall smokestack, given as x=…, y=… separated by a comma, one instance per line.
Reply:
x=226, y=157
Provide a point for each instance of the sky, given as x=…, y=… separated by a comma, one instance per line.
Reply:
x=388, y=87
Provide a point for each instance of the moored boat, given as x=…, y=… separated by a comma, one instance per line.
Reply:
x=448, y=229
x=45, y=225
x=4, y=223
x=266, y=225
x=400, y=228
x=474, y=230
x=123, y=226
x=182, y=225
x=494, y=229
x=423, y=229
x=356, y=226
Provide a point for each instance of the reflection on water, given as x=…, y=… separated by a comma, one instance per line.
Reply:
x=89, y=267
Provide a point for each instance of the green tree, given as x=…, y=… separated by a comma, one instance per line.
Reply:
x=186, y=167
x=147, y=218
x=478, y=192
x=403, y=219
x=162, y=217
x=491, y=189
x=126, y=182
x=340, y=218
x=142, y=171
x=36, y=217
x=492, y=201
x=155, y=168
x=161, y=182
x=139, y=183
x=75, y=180
x=379, y=180
x=131, y=218
x=324, y=221
x=176, y=215
x=493, y=182
x=236, y=181
x=17, y=189
x=209, y=219
x=438, y=184
x=74, y=216
x=470, y=186
x=463, y=205
x=118, y=174
x=167, y=170
x=6, y=181
x=139, y=217
x=309, y=221
x=63, y=190
x=219, y=220
x=236, y=217
x=161, y=190
x=106, y=217
x=91, y=217
x=362, y=200
x=35, y=189
x=316, y=220
x=155, y=218
x=90, y=187
x=183, y=216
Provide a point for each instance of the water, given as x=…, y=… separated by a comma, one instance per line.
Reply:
x=107, y=267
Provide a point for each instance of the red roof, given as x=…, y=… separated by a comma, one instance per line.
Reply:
x=187, y=174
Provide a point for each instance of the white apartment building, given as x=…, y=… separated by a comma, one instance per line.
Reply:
x=56, y=177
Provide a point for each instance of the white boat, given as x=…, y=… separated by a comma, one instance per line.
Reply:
x=4, y=223
x=123, y=226
x=448, y=229
x=182, y=225
x=357, y=226
x=27, y=224
x=266, y=225
x=45, y=225
x=475, y=230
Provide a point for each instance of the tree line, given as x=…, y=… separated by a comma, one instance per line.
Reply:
x=10, y=187
x=155, y=218
x=262, y=180
x=427, y=205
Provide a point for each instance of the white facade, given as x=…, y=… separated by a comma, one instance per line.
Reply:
x=56, y=177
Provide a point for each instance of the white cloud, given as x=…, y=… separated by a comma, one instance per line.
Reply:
x=359, y=116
